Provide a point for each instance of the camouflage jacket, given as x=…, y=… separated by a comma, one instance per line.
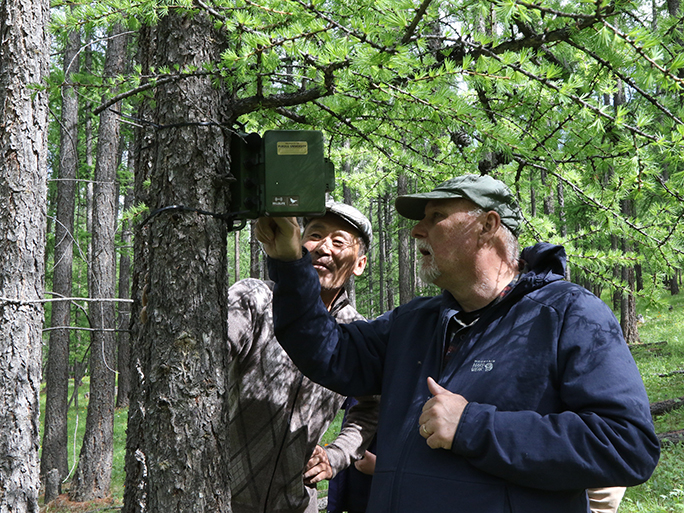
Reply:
x=277, y=416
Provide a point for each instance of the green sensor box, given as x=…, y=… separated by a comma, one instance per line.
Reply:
x=283, y=173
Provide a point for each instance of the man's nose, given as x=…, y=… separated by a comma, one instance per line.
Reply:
x=324, y=246
x=418, y=231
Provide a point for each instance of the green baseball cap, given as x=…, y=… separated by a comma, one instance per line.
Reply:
x=485, y=191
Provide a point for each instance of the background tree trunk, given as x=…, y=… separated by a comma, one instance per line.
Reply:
x=382, y=233
x=124, y=320
x=23, y=193
x=93, y=475
x=177, y=431
x=55, y=436
x=406, y=283
x=254, y=260
x=347, y=198
x=389, y=278
x=628, y=320
x=236, y=257
x=370, y=266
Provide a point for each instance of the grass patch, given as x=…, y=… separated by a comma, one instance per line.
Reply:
x=658, y=358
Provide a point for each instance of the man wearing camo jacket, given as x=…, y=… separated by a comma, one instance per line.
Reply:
x=277, y=416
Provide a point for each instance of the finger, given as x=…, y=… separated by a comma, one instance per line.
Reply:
x=433, y=442
x=312, y=471
x=435, y=388
x=265, y=230
x=286, y=225
x=427, y=412
x=315, y=479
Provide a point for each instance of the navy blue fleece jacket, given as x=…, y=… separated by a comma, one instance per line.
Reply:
x=556, y=403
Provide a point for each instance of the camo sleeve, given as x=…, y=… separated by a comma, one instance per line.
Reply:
x=249, y=315
x=357, y=432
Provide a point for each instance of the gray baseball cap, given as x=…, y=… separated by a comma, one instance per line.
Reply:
x=485, y=191
x=351, y=215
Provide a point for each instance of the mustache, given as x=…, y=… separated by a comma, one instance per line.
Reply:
x=423, y=245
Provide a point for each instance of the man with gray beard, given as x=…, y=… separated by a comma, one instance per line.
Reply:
x=513, y=391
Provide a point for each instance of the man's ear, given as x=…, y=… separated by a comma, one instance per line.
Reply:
x=490, y=226
x=360, y=265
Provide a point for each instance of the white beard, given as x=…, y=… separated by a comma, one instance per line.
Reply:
x=428, y=272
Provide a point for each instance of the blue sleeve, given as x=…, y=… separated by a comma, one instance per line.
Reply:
x=603, y=435
x=347, y=359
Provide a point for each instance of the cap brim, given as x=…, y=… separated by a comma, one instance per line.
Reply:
x=412, y=206
x=338, y=210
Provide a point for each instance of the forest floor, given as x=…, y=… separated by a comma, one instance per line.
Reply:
x=660, y=358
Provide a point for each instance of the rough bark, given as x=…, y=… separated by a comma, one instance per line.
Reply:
x=135, y=492
x=674, y=284
x=236, y=256
x=381, y=255
x=628, y=320
x=93, y=475
x=176, y=445
x=347, y=198
x=55, y=436
x=124, y=319
x=254, y=253
x=23, y=192
x=673, y=7
x=370, y=298
x=389, y=283
x=88, y=135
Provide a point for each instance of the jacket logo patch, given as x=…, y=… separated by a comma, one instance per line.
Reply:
x=482, y=365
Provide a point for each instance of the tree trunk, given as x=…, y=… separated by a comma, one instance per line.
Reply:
x=406, y=284
x=254, y=264
x=350, y=286
x=93, y=475
x=548, y=198
x=389, y=283
x=55, y=434
x=369, y=271
x=563, y=223
x=533, y=195
x=135, y=491
x=674, y=284
x=639, y=274
x=23, y=193
x=628, y=320
x=236, y=256
x=177, y=427
x=673, y=7
x=381, y=254
x=123, y=334
x=617, y=274
x=88, y=133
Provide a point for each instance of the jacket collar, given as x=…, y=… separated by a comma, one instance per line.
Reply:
x=543, y=263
